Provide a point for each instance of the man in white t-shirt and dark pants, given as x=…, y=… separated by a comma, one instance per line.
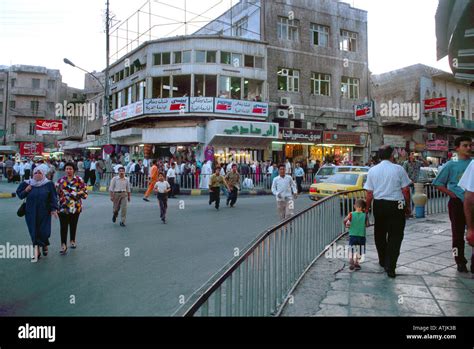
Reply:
x=388, y=186
x=171, y=179
x=285, y=191
x=467, y=183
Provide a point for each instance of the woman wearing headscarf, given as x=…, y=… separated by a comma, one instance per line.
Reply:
x=41, y=204
x=71, y=191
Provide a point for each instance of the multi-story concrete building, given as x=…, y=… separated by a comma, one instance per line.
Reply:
x=185, y=96
x=297, y=68
x=30, y=93
x=402, y=98
x=317, y=57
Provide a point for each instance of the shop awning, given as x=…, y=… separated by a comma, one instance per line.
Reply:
x=8, y=149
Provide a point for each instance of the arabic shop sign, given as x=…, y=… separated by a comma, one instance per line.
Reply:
x=235, y=106
x=167, y=105
x=343, y=138
x=301, y=135
x=202, y=105
x=244, y=129
x=126, y=112
x=253, y=130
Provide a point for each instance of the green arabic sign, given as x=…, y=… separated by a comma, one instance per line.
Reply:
x=252, y=130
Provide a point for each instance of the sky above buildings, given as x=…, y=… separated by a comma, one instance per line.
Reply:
x=401, y=32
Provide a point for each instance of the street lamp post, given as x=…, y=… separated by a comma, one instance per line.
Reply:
x=107, y=84
x=104, y=88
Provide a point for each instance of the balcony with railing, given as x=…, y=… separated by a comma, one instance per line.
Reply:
x=449, y=122
x=28, y=112
x=26, y=91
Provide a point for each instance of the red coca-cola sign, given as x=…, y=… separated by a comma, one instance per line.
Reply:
x=436, y=104
x=49, y=126
x=31, y=148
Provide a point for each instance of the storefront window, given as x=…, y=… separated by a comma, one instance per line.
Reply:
x=239, y=156
x=230, y=87
x=182, y=86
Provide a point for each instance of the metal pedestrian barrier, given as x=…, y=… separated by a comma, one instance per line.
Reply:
x=260, y=280
x=437, y=201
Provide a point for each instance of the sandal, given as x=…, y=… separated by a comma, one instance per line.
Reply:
x=36, y=258
x=63, y=250
x=73, y=244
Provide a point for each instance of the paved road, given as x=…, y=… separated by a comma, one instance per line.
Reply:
x=165, y=262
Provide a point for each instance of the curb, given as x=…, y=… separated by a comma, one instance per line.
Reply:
x=7, y=195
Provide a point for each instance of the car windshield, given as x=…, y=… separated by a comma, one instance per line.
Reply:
x=343, y=178
x=326, y=171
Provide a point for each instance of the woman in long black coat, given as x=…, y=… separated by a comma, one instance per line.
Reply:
x=41, y=204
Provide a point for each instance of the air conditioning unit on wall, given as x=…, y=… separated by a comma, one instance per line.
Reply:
x=285, y=101
x=299, y=116
x=282, y=114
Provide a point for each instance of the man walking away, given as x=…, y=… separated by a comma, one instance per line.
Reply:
x=299, y=175
x=447, y=182
x=99, y=172
x=285, y=191
x=388, y=186
x=87, y=171
x=120, y=194
x=467, y=183
x=232, y=180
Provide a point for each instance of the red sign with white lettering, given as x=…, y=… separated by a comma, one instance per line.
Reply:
x=436, y=104
x=31, y=148
x=49, y=126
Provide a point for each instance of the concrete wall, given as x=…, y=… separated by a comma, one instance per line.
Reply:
x=307, y=58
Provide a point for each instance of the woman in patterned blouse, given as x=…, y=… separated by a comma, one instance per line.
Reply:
x=71, y=191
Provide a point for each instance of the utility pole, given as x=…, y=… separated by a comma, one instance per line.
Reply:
x=107, y=49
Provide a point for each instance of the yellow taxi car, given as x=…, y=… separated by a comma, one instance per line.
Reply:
x=341, y=181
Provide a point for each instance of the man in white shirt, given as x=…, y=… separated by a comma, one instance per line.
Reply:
x=388, y=186
x=467, y=183
x=171, y=179
x=284, y=189
x=92, y=172
x=288, y=167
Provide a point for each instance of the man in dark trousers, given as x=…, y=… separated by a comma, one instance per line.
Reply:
x=447, y=182
x=388, y=186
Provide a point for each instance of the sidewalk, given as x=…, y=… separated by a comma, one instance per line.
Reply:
x=427, y=282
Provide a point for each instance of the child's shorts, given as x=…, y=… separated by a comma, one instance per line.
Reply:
x=358, y=242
